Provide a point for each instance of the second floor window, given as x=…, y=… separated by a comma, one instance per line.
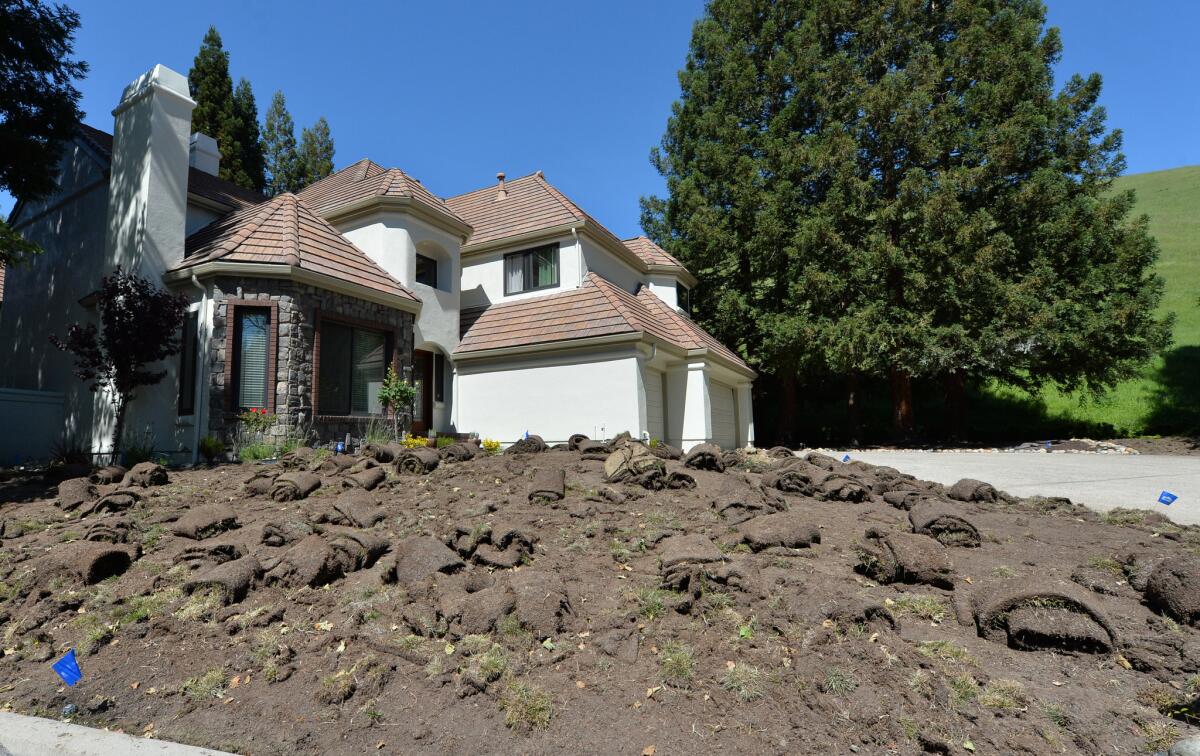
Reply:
x=531, y=269
x=683, y=297
x=427, y=271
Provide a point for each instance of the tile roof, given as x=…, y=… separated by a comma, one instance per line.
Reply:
x=531, y=204
x=366, y=179
x=598, y=308
x=650, y=253
x=283, y=230
x=200, y=183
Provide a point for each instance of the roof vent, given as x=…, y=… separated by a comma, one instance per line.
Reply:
x=501, y=193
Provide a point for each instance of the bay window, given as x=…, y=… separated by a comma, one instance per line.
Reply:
x=252, y=329
x=352, y=364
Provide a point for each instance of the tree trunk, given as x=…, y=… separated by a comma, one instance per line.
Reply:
x=854, y=407
x=956, y=405
x=902, y=404
x=118, y=429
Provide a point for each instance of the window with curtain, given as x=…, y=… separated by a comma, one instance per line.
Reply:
x=187, y=364
x=353, y=362
x=253, y=342
x=531, y=269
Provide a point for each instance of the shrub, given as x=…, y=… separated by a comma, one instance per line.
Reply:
x=396, y=395
x=257, y=421
x=444, y=441
x=490, y=446
x=414, y=442
x=255, y=452
x=211, y=448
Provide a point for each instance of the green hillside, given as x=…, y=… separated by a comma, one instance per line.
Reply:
x=1166, y=399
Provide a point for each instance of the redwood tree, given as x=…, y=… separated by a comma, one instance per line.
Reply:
x=139, y=326
x=895, y=189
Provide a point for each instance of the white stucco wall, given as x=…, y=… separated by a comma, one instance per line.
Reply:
x=483, y=274
x=663, y=287
x=599, y=260
x=198, y=217
x=689, y=419
x=551, y=396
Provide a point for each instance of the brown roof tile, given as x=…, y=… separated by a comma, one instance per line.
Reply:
x=285, y=231
x=200, y=183
x=598, y=308
x=650, y=253
x=368, y=179
x=531, y=204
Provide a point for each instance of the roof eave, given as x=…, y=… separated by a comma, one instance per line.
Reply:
x=445, y=221
x=519, y=240
x=678, y=271
x=715, y=356
x=551, y=346
x=294, y=273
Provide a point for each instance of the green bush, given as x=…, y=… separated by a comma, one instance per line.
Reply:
x=211, y=448
x=255, y=452
x=444, y=441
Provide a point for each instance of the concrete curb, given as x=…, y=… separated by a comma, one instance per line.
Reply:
x=33, y=736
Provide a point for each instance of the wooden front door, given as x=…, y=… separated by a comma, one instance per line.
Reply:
x=423, y=403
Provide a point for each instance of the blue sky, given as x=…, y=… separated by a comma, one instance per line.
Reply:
x=453, y=91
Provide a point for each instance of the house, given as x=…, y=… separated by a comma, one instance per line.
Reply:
x=511, y=308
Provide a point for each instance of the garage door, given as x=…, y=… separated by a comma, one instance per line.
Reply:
x=724, y=418
x=655, y=412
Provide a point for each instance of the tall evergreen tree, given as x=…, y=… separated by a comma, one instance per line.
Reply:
x=316, y=153
x=249, y=142
x=894, y=189
x=39, y=104
x=279, y=149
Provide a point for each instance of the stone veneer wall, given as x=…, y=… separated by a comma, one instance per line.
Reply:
x=295, y=307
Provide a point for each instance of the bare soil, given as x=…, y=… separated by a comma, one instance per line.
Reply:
x=1181, y=446
x=616, y=620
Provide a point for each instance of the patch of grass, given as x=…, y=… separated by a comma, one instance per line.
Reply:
x=919, y=682
x=619, y=551
x=200, y=606
x=1122, y=516
x=510, y=627
x=1159, y=735
x=1056, y=714
x=526, y=707
x=931, y=608
x=141, y=608
x=838, y=682
x=255, y=452
x=677, y=664
x=208, y=686
x=96, y=632
x=1005, y=695
x=152, y=536
x=652, y=602
x=945, y=651
x=963, y=689
x=337, y=687
x=493, y=663
x=1108, y=564
x=718, y=600
x=1003, y=571
x=744, y=681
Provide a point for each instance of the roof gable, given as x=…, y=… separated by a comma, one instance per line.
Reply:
x=366, y=179
x=285, y=231
x=650, y=253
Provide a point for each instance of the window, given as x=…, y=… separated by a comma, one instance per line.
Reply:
x=187, y=365
x=683, y=298
x=439, y=378
x=427, y=272
x=531, y=270
x=353, y=362
x=252, y=328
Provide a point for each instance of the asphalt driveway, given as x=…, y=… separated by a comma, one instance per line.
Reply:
x=1101, y=481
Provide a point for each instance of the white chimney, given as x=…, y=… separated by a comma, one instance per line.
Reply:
x=147, y=185
x=203, y=154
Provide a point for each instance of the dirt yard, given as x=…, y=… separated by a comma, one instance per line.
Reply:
x=779, y=605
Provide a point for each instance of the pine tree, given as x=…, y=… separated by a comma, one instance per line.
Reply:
x=39, y=105
x=212, y=89
x=894, y=189
x=316, y=153
x=248, y=140
x=279, y=149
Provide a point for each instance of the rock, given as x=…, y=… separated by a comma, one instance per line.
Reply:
x=1185, y=747
x=695, y=548
x=793, y=530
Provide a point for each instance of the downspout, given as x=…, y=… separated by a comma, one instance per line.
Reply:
x=201, y=369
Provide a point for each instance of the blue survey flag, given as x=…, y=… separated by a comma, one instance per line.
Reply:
x=68, y=669
x=846, y=458
x=1166, y=497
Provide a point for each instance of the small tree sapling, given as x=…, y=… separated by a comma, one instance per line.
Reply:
x=396, y=395
x=139, y=325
